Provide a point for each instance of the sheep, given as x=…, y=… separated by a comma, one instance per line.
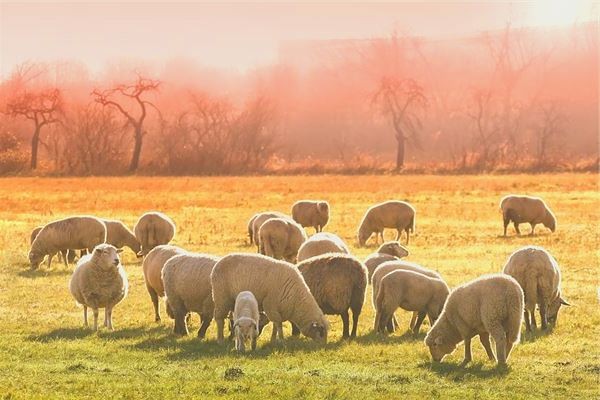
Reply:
x=394, y=214
x=389, y=266
x=490, y=305
x=68, y=254
x=245, y=320
x=322, y=243
x=311, y=213
x=256, y=222
x=281, y=238
x=99, y=281
x=153, y=229
x=389, y=251
x=411, y=291
x=278, y=287
x=152, y=267
x=71, y=233
x=338, y=282
x=119, y=235
x=186, y=278
x=539, y=276
x=526, y=209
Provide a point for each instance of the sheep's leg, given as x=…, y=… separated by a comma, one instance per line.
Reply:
x=516, y=225
x=203, y=326
x=527, y=321
x=420, y=319
x=345, y=324
x=407, y=236
x=180, y=325
x=468, y=356
x=532, y=229
x=108, y=316
x=50, y=260
x=532, y=316
x=355, y=315
x=499, y=336
x=390, y=326
x=413, y=319
x=485, y=341
x=398, y=233
x=239, y=344
x=280, y=330
x=65, y=257
x=220, y=328
x=154, y=298
x=544, y=314
x=253, y=344
x=295, y=330
x=506, y=222
x=95, y=319
x=85, y=319
x=382, y=239
x=274, y=333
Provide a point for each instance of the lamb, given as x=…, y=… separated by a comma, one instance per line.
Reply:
x=411, y=291
x=152, y=267
x=311, y=213
x=389, y=266
x=539, y=276
x=71, y=233
x=338, y=282
x=256, y=222
x=281, y=238
x=389, y=251
x=188, y=289
x=490, y=305
x=322, y=243
x=119, y=235
x=99, y=281
x=526, y=209
x=153, y=229
x=245, y=320
x=394, y=214
x=278, y=287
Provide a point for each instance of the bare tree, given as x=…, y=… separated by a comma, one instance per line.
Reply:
x=42, y=107
x=487, y=129
x=550, y=127
x=135, y=92
x=402, y=100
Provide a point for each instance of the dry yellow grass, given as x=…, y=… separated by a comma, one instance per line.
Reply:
x=46, y=352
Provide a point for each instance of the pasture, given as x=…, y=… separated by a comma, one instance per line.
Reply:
x=46, y=353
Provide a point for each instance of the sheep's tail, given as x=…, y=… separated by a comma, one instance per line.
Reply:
x=412, y=223
x=266, y=247
x=250, y=236
x=515, y=317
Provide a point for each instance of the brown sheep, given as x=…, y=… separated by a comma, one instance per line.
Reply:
x=153, y=229
x=311, y=213
x=393, y=214
x=526, y=209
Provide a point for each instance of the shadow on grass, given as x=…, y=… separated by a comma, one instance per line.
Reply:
x=522, y=236
x=373, y=338
x=457, y=373
x=43, y=273
x=82, y=332
x=535, y=335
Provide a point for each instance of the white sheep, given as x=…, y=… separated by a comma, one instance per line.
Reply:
x=152, y=267
x=119, y=235
x=322, y=243
x=311, y=213
x=539, y=276
x=389, y=251
x=99, y=281
x=72, y=233
x=491, y=305
x=186, y=278
x=256, y=222
x=245, y=320
x=392, y=214
x=281, y=238
x=411, y=291
x=153, y=229
x=278, y=287
x=526, y=209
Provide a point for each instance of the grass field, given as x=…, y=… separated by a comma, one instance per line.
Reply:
x=46, y=353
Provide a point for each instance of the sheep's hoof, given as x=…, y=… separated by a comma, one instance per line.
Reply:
x=464, y=363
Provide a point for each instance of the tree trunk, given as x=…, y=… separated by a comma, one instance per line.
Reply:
x=400, y=152
x=137, y=150
x=35, y=141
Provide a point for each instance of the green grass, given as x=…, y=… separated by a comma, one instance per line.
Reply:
x=46, y=353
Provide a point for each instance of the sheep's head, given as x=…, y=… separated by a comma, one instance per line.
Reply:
x=438, y=346
x=35, y=259
x=317, y=330
x=245, y=328
x=393, y=249
x=554, y=307
x=363, y=235
x=106, y=256
x=323, y=209
x=550, y=221
x=135, y=246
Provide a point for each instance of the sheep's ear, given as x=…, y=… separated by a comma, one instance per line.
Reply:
x=438, y=340
x=98, y=251
x=564, y=302
x=119, y=250
x=139, y=254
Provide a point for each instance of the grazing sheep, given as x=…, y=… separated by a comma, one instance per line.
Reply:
x=278, y=287
x=490, y=305
x=338, y=282
x=72, y=233
x=245, y=320
x=119, y=235
x=68, y=254
x=256, y=222
x=152, y=267
x=281, y=238
x=153, y=229
x=389, y=266
x=389, y=251
x=322, y=243
x=99, y=281
x=539, y=276
x=526, y=209
x=393, y=214
x=311, y=213
x=187, y=289
x=411, y=291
